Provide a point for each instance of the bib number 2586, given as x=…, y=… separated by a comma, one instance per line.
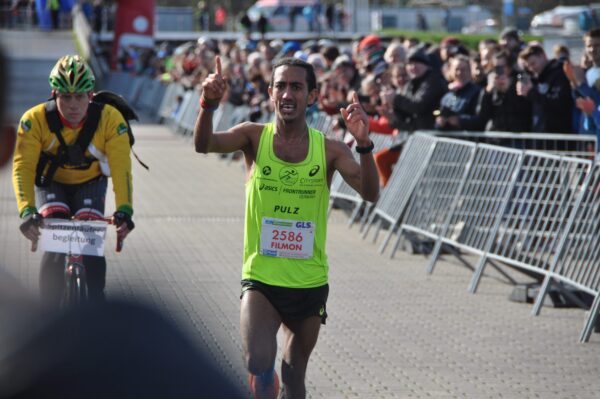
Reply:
x=287, y=238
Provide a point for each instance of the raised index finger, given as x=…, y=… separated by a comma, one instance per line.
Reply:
x=218, y=64
x=355, y=97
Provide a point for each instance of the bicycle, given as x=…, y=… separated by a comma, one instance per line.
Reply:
x=75, y=238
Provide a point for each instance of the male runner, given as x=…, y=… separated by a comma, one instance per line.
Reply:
x=289, y=170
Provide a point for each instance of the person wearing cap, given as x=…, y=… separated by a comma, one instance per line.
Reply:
x=370, y=51
x=549, y=92
x=414, y=105
x=289, y=49
x=448, y=47
x=371, y=40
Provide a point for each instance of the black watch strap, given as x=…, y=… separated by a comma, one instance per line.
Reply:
x=365, y=150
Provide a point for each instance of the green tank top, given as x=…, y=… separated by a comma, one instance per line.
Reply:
x=286, y=216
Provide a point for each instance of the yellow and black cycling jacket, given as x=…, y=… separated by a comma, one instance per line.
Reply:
x=109, y=145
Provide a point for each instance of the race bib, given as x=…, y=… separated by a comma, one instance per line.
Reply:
x=287, y=238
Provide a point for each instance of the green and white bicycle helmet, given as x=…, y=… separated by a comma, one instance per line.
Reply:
x=71, y=74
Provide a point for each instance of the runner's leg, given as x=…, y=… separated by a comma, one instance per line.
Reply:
x=259, y=323
x=300, y=338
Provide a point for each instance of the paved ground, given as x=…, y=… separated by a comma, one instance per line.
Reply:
x=393, y=332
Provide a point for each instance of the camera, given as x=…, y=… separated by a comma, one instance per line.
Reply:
x=499, y=69
x=364, y=99
x=443, y=112
x=524, y=78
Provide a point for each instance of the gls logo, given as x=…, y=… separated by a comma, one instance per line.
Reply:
x=315, y=169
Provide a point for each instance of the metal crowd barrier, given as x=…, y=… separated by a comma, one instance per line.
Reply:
x=480, y=205
x=544, y=195
x=577, y=257
x=573, y=145
x=87, y=43
x=119, y=82
x=394, y=197
x=149, y=98
x=169, y=103
x=17, y=18
x=188, y=111
x=322, y=122
x=535, y=211
x=340, y=190
x=433, y=197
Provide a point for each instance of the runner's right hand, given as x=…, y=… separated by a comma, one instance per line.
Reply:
x=30, y=227
x=214, y=86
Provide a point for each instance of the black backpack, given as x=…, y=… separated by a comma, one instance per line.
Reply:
x=73, y=155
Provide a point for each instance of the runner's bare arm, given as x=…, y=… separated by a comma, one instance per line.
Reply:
x=213, y=89
x=363, y=178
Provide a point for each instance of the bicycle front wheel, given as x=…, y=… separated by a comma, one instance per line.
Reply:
x=75, y=286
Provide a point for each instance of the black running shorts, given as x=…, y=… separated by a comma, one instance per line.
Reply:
x=292, y=303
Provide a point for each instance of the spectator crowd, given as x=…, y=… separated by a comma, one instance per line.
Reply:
x=404, y=84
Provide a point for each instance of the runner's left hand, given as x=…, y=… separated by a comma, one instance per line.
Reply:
x=356, y=121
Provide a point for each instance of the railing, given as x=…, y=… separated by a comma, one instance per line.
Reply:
x=17, y=18
x=574, y=145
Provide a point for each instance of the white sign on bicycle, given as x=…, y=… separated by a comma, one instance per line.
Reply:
x=73, y=237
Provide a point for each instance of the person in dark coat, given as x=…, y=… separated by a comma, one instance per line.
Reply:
x=459, y=106
x=414, y=105
x=501, y=109
x=549, y=92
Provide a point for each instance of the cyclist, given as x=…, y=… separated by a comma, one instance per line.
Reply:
x=78, y=185
x=290, y=166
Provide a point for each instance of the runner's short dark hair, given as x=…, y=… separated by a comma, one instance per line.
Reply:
x=311, y=79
